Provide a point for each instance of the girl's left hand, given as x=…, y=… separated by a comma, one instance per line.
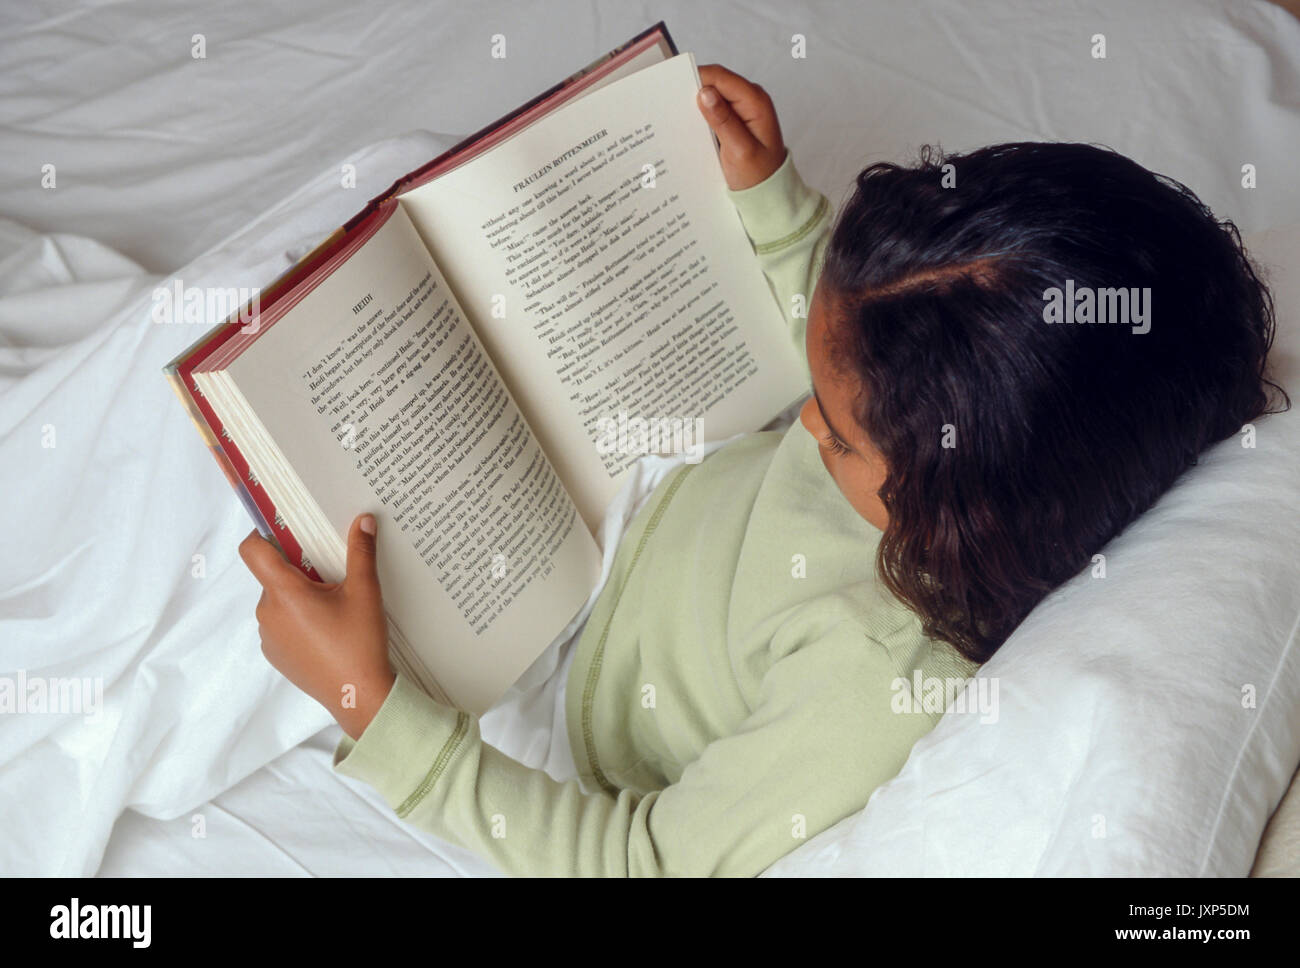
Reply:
x=328, y=639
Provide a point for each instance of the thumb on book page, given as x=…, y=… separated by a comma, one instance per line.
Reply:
x=361, y=571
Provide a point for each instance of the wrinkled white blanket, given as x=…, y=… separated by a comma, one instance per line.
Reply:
x=121, y=561
x=125, y=578
x=110, y=497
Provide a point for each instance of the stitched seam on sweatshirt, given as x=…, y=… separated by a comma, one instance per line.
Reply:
x=822, y=207
x=439, y=765
x=589, y=689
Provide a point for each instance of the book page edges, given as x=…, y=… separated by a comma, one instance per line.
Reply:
x=295, y=274
x=178, y=371
x=532, y=110
x=316, y=543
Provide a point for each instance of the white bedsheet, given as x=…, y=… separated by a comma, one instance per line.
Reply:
x=109, y=521
x=160, y=158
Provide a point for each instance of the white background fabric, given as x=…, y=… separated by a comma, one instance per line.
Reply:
x=170, y=165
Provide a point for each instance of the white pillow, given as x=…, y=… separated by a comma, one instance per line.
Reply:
x=1126, y=741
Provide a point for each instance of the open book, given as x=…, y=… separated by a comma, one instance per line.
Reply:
x=480, y=355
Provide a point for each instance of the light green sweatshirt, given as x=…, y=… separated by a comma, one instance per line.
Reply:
x=733, y=691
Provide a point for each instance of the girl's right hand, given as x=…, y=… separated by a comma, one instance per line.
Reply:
x=742, y=116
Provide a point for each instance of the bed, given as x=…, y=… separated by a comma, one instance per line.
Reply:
x=129, y=162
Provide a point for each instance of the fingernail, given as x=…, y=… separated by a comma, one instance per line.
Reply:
x=708, y=96
x=368, y=523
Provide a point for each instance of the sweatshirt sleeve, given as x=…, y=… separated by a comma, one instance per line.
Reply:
x=789, y=225
x=821, y=738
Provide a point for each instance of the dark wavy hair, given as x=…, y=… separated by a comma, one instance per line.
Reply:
x=1059, y=434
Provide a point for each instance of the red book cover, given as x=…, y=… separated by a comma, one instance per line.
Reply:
x=226, y=340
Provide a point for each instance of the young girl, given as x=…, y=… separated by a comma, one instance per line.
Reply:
x=973, y=438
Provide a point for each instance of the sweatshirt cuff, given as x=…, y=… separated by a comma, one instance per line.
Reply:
x=780, y=209
x=406, y=747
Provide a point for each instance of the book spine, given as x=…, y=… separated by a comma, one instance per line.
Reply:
x=485, y=136
x=218, y=452
x=291, y=285
x=223, y=341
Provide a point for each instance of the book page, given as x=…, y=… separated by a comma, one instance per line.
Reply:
x=380, y=398
x=607, y=271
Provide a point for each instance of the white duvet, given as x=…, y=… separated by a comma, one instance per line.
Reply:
x=120, y=533
x=121, y=562
x=128, y=517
